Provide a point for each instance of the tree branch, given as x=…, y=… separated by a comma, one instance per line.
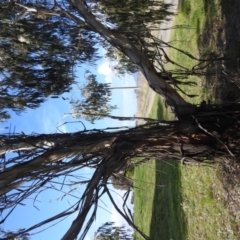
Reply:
x=157, y=83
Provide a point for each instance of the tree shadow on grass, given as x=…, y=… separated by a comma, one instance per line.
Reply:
x=185, y=7
x=160, y=110
x=231, y=12
x=168, y=219
x=222, y=35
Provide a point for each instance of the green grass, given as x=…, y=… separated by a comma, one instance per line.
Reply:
x=157, y=199
x=159, y=110
x=202, y=193
x=195, y=17
x=144, y=189
x=174, y=201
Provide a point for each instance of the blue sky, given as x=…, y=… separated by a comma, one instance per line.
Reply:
x=49, y=118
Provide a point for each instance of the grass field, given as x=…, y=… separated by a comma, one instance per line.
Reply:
x=174, y=201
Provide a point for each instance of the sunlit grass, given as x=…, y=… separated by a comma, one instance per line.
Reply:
x=144, y=189
x=203, y=205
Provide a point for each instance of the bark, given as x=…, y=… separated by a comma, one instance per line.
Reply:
x=22, y=142
x=46, y=149
x=177, y=139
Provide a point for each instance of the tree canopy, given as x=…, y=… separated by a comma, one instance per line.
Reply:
x=95, y=100
x=38, y=54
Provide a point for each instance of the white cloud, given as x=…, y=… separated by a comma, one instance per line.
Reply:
x=105, y=69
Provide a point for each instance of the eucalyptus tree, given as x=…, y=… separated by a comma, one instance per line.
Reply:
x=133, y=40
x=137, y=44
x=201, y=133
x=95, y=100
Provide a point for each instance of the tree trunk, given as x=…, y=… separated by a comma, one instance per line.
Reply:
x=192, y=139
x=47, y=156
